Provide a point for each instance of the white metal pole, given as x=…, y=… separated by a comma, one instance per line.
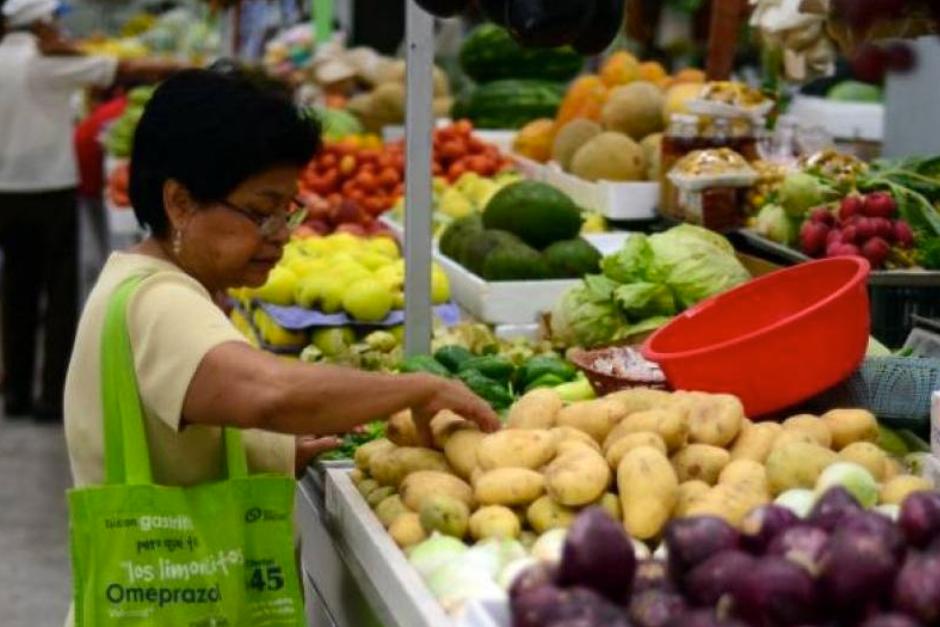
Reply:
x=419, y=122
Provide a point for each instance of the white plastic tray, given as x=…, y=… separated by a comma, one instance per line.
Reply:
x=842, y=120
x=509, y=302
x=617, y=201
x=502, y=302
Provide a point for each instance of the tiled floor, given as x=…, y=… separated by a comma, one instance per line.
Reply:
x=35, y=585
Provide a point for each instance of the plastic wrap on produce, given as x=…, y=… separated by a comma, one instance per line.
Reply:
x=298, y=318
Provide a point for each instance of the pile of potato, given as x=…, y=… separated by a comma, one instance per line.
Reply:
x=644, y=455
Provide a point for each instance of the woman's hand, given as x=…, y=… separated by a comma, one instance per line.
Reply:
x=455, y=396
x=308, y=447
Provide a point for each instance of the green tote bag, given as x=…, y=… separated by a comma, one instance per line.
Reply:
x=213, y=555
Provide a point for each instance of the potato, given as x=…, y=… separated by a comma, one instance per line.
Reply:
x=755, y=441
x=893, y=468
x=731, y=502
x=631, y=441
x=896, y=490
x=714, y=419
x=596, y=418
x=690, y=492
x=566, y=434
x=406, y=530
x=401, y=430
x=797, y=465
x=461, y=451
x=641, y=399
x=649, y=490
x=700, y=461
x=545, y=513
x=571, y=446
x=610, y=502
x=445, y=424
x=475, y=475
x=446, y=515
x=851, y=425
x=389, y=509
x=789, y=437
x=668, y=423
x=747, y=476
x=812, y=426
x=577, y=477
x=509, y=486
x=367, y=487
x=494, y=521
x=365, y=452
x=356, y=476
x=419, y=486
x=378, y=495
x=535, y=410
x=868, y=455
x=516, y=448
x=390, y=466
x=741, y=470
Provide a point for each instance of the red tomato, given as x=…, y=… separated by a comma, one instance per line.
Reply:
x=366, y=180
x=452, y=150
x=456, y=171
x=463, y=127
x=389, y=177
x=479, y=164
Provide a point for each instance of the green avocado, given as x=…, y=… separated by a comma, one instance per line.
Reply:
x=514, y=263
x=538, y=214
x=572, y=259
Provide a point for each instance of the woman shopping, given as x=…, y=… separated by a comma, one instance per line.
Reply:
x=215, y=165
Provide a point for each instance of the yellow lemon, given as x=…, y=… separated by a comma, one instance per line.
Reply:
x=279, y=288
x=368, y=300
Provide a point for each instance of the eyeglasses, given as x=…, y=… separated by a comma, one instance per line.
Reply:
x=270, y=224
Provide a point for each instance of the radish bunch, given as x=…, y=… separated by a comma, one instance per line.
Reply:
x=863, y=225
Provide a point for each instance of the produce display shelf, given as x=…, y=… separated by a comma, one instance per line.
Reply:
x=353, y=569
x=842, y=120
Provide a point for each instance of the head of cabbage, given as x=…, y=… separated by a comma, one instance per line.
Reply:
x=587, y=315
x=696, y=263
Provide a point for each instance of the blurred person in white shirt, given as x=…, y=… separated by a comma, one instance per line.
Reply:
x=40, y=72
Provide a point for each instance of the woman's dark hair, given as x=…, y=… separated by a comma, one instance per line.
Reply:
x=210, y=131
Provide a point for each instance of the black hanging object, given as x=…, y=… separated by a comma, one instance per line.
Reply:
x=548, y=23
x=495, y=10
x=444, y=8
x=602, y=28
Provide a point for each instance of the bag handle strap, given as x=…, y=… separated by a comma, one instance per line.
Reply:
x=127, y=457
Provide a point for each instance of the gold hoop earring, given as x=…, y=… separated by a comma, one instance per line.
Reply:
x=177, y=243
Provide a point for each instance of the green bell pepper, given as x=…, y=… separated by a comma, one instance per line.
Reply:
x=578, y=390
x=495, y=367
x=452, y=357
x=424, y=363
x=545, y=381
x=493, y=392
x=542, y=365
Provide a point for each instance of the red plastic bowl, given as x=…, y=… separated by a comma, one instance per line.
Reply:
x=772, y=342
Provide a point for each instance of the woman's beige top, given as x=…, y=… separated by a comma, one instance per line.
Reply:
x=173, y=323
